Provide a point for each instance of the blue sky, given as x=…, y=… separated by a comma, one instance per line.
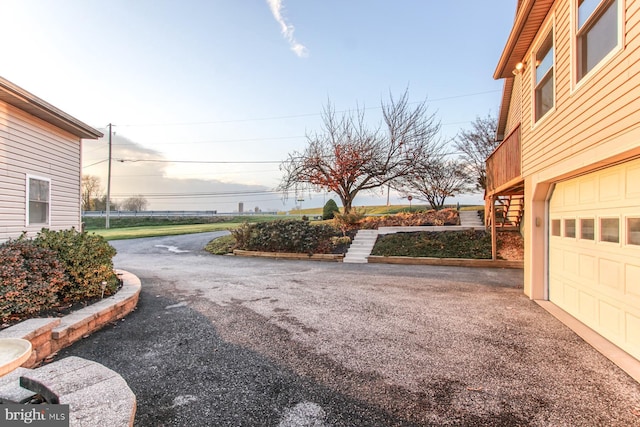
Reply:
x=219, y=80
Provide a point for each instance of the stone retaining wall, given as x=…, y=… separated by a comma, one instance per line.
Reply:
x=48, y=335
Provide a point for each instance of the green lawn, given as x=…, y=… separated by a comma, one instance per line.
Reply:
x=161, y=230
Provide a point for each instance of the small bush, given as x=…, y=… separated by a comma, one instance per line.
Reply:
x=431, y=217
x=285, y=236
x=221, y=245
x=31, y=278
x=348, y=221
x=330, y=209
x=87, y=260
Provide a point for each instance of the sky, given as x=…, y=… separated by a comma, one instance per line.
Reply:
x=239, y=83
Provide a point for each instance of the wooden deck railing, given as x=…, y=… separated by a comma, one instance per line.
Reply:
x=504, y=164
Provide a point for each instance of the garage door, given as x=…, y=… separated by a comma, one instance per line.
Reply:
x=594, y=252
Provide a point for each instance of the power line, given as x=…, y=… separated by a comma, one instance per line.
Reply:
x=224, y=194
x=224, y=141
x=96, y=163
x=198, y=161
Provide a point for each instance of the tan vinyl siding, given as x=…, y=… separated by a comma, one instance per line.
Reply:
x=592, y=113
x=514, y=117
x=30, y=146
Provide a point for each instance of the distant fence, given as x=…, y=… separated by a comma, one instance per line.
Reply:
x=128, y=214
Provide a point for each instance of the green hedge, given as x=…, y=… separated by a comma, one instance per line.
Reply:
x=285, y=236
x=31, y=278
x=88, y=262
x=53, y=269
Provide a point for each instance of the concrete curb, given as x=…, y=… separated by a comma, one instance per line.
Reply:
x=287, y=255
x=48, y=335
x=450, y=262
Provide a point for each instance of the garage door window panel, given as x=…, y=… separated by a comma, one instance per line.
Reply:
x=610, y=230
x=570, y=228
x=633, y=231
x=555, y=227
x=587, y=228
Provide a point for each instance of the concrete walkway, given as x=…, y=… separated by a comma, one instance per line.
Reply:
x=470, y=219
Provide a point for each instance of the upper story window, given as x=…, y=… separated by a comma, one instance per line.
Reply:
x=597, y=32
x=544, y=87
x=38, y=200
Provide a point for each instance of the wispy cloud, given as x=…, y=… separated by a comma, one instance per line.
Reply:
x=287, y=28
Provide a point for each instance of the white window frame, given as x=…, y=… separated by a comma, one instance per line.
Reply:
x=576, y=84
x=621, y=231
x=28, y=200
x=627, y=231
x=579, y=230
x=550, y=27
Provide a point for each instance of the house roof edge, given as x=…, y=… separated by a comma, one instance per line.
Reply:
x=28, y=102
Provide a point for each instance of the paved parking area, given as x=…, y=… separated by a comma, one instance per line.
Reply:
x=237, y=341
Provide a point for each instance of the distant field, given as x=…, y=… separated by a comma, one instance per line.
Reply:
x=386, y=210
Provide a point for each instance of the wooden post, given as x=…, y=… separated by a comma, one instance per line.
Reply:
x=494, y=237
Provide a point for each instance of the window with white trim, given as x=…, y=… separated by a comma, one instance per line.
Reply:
x=598, y=33
x=544, y=86
x=38, y=200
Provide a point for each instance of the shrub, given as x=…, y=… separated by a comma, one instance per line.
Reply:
x=431, y=217
x=30, y=279
x=87, y=260
x=330, y=209
x=348, y=221
x=221, y=245
x=285, y=236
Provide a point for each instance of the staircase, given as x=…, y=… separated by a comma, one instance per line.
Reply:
x=509, y=212
x=470, y=219
x=361, y=247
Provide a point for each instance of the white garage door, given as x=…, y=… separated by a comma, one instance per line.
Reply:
x=594, y=252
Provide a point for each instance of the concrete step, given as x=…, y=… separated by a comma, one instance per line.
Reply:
x=361, y=247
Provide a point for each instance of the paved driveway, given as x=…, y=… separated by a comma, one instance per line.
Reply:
x=252, y=342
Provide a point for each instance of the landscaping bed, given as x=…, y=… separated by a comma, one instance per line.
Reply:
x=54, y=272
x=290, y=237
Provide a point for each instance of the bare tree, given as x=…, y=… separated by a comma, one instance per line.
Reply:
x=135, y=203
x=348, y=156
x=91, y=192
x=435, y=179
x=476, y=145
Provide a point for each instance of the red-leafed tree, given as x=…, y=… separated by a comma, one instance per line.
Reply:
x=348, y=156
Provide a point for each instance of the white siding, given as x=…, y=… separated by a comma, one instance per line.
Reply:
x=29, y=145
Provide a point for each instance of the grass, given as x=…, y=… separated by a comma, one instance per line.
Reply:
x=445, y=244
x=161, y=230
x=92, y=223
x=136, y=227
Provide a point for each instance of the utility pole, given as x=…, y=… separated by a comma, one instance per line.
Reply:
x=106, y=225
x=388, y=194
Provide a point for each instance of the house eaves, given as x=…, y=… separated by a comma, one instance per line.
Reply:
x=20, y=98
x=529, y=17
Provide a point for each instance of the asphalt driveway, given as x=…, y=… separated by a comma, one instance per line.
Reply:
x=229, y=341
